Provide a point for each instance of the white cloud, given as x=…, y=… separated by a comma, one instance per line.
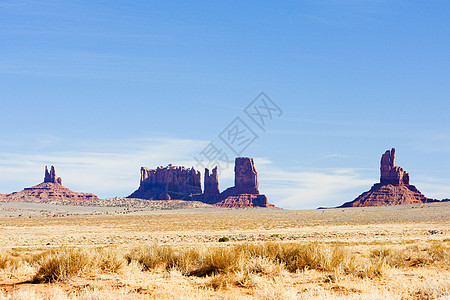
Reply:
x=435, y=188
x=107, y=169
x=311, y=188
x=112, y=169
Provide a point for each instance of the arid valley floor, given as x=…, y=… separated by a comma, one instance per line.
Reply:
x=51, y=251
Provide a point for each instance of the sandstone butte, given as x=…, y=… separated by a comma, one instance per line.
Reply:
x=51, y=188
x=393, y=189
x=175, y=182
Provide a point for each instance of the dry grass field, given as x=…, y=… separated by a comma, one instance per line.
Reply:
x=60, y=252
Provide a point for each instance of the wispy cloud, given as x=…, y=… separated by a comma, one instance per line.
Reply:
x=112, y=169
x=108, y=169
x=312, y=188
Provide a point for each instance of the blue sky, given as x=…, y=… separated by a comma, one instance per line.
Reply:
x=100, y=88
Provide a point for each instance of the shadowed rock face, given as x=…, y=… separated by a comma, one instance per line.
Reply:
x=211, y=185
x=393, y=189
x=51, y=176
x=165, y=183
x=245, y=176
x=51, y=188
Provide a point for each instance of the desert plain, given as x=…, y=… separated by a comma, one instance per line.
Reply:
x=179, y=251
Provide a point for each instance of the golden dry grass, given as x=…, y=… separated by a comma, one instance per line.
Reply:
x=145, y=257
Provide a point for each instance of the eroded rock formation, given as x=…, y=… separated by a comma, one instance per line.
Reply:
x=165, y=183
x=389, y=173
x=245, y=192
x=51, y=176
x=174, y=182
x=211, y=186
x=394, y=187
x=50, y=189
x=245, y=176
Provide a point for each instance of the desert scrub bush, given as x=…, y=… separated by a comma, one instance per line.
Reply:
x=224, y=239
x=108, y=259
x=241, y=279
x=312, y=256
x=392, y=257
x=152, y=256
x=439, y=254
x=6, y=259
x=216, y=260
x=62, y=264
x=10, y=265
x=369, y=268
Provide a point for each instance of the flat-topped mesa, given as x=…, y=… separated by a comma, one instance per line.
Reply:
x=211, y=186
x=389, y=173
x=51, y=176
x=165, y=183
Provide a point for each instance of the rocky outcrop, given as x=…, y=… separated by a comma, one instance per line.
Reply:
x=175, y=182
x=244, y=200
x=51, y=188
x=245, y=176
x=394, y=187
x=389, y=173
x=245, y=192
x=211, y=186
x=51, y=176
x=165, y=183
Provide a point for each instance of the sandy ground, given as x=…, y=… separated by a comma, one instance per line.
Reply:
x=43, y=225
x=31, y=228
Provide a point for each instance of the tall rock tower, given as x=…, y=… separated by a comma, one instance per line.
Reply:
x=393, y=189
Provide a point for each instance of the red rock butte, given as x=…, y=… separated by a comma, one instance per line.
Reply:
x=51, y=188
x=176, y=182
x=168, y=183
x=394, y=187
x=245, y=192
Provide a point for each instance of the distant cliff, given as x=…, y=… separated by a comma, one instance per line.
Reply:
x=166, y=183
x=177, y=182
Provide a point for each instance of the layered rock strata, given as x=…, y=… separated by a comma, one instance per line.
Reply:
x=166, y=183
x=393, y=189
x=176, y=182
x=245, y=192
x=51, y=188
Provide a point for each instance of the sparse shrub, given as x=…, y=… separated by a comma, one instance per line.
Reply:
x=62, y=264
x=152, y=256
x=370, y=269
x=241, y=279
x=311, y=256
x=109, y=260
x=9, y=264
x=439, y=254
x=149, y=256
x=219, y=260
x=224, y=239
x=263, y=265
x=5, y=259
x=391, y=257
